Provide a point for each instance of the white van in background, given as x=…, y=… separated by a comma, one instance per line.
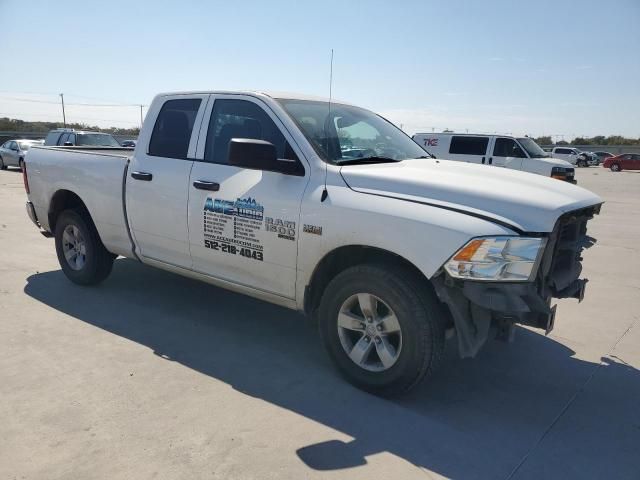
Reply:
x=496, y=150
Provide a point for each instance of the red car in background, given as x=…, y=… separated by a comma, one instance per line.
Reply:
x=625, y=161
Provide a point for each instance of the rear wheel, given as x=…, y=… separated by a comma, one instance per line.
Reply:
x=383, y=329
x=82, y=256
x=21, y=165
x=615, y=167
x=2, y=165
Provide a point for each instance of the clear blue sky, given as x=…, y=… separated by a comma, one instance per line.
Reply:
x=545, y=67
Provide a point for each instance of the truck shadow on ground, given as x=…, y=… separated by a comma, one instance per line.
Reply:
x=473, y=419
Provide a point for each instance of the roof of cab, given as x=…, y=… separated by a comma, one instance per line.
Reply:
x=257, y=93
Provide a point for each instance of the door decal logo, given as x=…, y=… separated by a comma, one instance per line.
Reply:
x=242, y=207
x=232, y=226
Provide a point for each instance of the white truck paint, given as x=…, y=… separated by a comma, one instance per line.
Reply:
x=328, y=203
x=496, y=150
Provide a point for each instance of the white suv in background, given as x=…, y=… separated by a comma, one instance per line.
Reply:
x=505, y=151
x=571, y=155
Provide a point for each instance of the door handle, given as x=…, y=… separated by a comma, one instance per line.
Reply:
x=206, y=185
x=483, y=160
x=146, y=176
x=490, y=160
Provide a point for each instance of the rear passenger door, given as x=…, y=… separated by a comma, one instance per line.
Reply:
x=468, y=148
x=158, y=180
x=507, y=153
x=244, y=223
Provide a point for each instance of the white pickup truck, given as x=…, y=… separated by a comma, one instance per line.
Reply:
x=326, y=208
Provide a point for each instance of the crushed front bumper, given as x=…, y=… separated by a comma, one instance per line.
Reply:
x=476, y=306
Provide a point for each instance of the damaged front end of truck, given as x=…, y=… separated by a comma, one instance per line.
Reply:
x=478, y=306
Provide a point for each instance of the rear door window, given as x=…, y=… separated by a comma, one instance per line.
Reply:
x=467, y=145
x=172, y=131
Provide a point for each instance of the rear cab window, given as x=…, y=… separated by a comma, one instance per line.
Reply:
x=468, y=145
x=172, y=131
x=63, y=138
x=52, y=138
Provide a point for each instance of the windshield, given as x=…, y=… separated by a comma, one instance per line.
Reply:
x=532, y=148
x=97, y=139
x=350, y=133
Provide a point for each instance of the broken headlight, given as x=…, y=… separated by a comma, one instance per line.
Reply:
x=507, y=259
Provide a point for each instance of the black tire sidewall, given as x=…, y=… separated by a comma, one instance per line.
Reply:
x=615, y=167
x=87, y=275
x=415, y=323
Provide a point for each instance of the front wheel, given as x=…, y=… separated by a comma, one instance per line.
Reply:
x=615, y=167
x=82, y=256
x=383, y=329
x=2, y=165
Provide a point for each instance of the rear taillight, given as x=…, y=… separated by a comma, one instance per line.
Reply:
x=24, y=177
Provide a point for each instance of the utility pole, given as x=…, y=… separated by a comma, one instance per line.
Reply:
x=141, y=116
x=64, y=118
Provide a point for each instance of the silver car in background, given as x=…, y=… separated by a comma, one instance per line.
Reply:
x=12, y=152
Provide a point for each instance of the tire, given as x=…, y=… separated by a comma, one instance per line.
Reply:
x=419, y=345
x=92, y=262
x=615, y=167
x=2, y=165
x=21, y=164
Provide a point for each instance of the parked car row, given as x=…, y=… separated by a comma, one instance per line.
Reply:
x=13, y=152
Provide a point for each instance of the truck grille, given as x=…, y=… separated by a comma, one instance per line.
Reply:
x=562, y=264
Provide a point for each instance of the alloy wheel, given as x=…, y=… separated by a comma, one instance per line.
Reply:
x=74, y=247
x=369, y=332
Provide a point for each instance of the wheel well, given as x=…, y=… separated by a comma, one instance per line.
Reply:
x=345, y=257
x=64, y=200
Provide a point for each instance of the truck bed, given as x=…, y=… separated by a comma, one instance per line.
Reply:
x=96, y=175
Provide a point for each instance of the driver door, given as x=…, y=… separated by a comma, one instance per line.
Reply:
x=244, y=223
x=507, y=153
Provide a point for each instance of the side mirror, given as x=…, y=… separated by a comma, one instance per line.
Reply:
x=260, y=155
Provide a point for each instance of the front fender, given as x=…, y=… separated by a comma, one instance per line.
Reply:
x=426, y=236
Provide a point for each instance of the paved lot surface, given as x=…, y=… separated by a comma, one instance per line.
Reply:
x=152, y=375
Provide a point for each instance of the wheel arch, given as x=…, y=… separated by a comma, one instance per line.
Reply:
x=341, y=258
x=65, y=200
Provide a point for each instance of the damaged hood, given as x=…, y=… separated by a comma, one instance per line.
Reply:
x=528, y=202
